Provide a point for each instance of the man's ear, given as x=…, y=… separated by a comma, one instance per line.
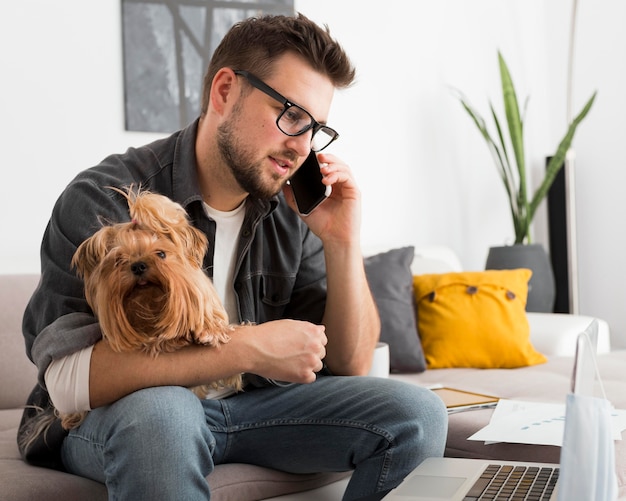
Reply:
x=224, y=90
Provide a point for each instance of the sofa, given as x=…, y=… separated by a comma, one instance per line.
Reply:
x=552, y=335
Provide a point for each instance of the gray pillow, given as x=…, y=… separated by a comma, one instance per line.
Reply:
x=391, y=282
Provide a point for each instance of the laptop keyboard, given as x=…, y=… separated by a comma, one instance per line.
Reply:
x=505, y=482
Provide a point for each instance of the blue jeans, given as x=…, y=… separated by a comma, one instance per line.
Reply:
x=161, y=443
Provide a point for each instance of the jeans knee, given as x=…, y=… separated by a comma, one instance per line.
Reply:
x=420, y=419
x=151, y=444
x=412, y=424
x=169, y=416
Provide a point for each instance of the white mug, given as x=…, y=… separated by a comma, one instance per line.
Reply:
x=380, y=361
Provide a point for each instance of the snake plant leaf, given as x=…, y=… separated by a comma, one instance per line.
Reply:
x=498, y=153
x=556, y=161
x=514, y=177
x=509, y=177
x=513, y=117
x=516, y=136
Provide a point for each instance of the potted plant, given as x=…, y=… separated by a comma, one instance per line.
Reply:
x=512, y=168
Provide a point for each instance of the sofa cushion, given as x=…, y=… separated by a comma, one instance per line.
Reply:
x=475, y=319
x=390, y=280
x=17, y=373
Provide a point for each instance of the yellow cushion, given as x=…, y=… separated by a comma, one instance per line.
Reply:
x=475, y=319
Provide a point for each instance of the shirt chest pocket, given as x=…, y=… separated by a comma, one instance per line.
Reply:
x=276, y=290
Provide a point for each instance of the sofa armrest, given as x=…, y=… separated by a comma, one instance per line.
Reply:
x=554, y=334
x=435, y=259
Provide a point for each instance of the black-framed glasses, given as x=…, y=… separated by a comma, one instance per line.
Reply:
x=294, y=120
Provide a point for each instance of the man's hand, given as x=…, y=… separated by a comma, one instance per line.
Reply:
x=351, y=318
x=285, y=350
x=337, y=219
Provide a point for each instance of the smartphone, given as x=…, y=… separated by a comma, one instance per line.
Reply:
x=307, y=186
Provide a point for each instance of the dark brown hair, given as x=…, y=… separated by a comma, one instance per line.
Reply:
x=254, y=44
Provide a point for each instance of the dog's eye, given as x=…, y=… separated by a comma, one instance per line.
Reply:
x=161, y=254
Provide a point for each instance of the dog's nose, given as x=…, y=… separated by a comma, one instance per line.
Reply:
x=138, y=268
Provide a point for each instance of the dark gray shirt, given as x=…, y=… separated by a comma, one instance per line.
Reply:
x=280, y=270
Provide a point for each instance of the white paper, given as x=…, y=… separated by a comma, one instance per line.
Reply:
x=537, y=423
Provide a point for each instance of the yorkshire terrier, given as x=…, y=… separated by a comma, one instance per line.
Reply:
x=145, y=284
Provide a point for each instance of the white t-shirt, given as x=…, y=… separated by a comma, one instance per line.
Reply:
x=225, y=254
x=67, y=378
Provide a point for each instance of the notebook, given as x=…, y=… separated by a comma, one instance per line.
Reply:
x=460, y=479
x=460, y=400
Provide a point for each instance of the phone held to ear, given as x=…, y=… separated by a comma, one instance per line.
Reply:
x=307, y=186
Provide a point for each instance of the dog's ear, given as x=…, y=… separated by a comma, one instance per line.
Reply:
x=157, y=212
x=195, y=242
x=162, y=215
x=90, y=253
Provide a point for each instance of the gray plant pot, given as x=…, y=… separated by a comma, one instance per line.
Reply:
x=541, y=287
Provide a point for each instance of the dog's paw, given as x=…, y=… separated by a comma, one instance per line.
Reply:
x=73, y=420
x=234, y=382
x=201, y=391
x=214, y=335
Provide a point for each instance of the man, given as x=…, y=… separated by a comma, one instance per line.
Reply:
x=300, y=281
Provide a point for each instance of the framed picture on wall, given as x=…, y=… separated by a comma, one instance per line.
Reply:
x=167, y=46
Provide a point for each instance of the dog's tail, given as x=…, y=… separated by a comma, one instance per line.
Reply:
x=40, y=437
x=36, y=428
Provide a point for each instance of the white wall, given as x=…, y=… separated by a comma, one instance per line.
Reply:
x=61, y=103
x=425, y=173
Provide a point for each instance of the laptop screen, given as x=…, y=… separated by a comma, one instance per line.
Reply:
x=584, y=374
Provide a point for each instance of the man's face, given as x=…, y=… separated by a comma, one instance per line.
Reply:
x=260, y=156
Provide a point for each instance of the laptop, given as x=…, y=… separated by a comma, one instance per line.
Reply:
x=461, y=479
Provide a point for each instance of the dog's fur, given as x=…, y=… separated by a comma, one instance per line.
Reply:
x=145, y=284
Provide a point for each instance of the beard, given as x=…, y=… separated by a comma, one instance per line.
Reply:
x=241, y=162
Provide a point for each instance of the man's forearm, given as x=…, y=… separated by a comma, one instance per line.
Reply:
x=285, y=350
x=114, y=375
x=351, y=317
